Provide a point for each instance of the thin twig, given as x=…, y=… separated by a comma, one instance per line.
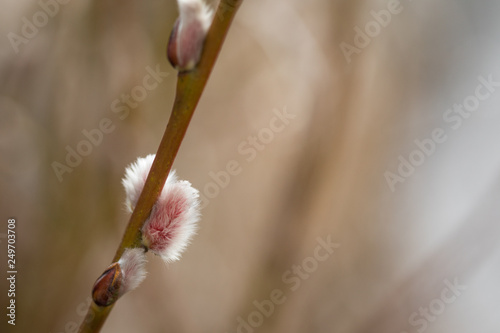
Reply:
x=190, y=86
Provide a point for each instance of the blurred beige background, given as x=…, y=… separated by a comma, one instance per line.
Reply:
x=354, y=117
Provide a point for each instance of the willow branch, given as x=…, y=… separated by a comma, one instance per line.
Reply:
x=190, y=86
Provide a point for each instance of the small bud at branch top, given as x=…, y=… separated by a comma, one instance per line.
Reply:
x=188, y=35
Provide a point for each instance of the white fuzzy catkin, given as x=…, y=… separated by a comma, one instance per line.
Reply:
x=132, y=265
x=173, y=220
x=195, y=10
x=134, y=179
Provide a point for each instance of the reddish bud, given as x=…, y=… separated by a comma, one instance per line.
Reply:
x=107, y=287
x=120, y=277
x=188, y=35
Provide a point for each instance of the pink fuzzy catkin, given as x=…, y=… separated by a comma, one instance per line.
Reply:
x=174, y=216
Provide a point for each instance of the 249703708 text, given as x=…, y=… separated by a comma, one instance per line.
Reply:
x=11, y=270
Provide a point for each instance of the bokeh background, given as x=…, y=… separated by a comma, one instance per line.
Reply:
x=323, y=175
